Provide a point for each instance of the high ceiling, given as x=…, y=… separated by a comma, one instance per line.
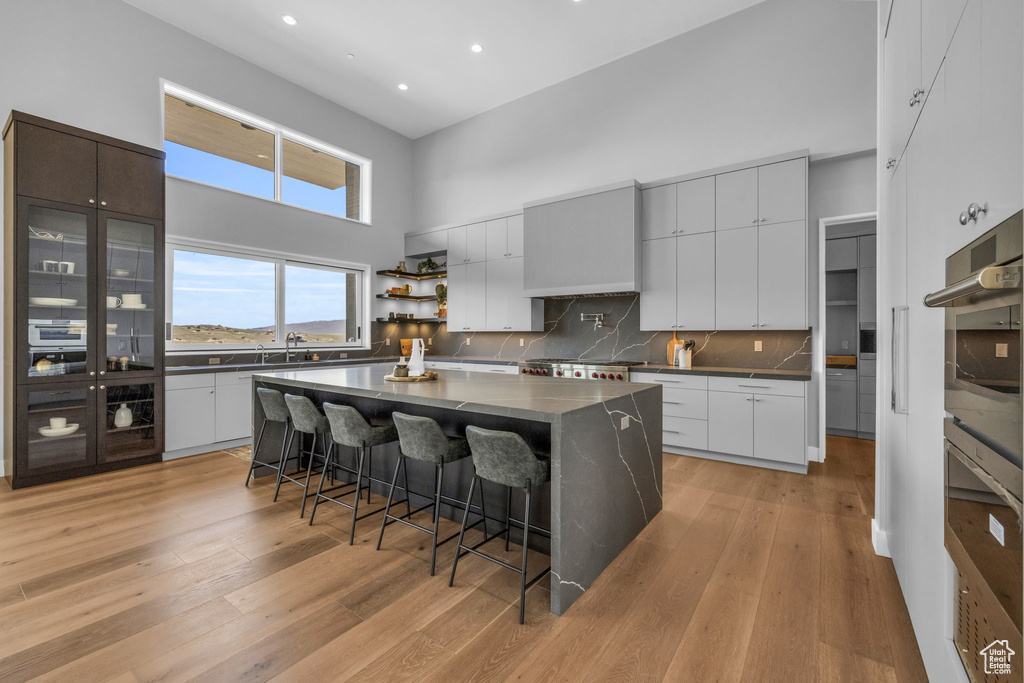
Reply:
x=527, y=45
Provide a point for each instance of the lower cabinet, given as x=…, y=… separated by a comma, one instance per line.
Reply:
x=841, y=400
x=233, y=405
x=731, y=423
x=779, y=428
x=190, y=406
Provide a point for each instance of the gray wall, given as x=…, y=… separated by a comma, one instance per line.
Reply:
x=777, y=77
x=98, y=64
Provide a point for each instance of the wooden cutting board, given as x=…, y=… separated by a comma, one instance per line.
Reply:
x=428, y=377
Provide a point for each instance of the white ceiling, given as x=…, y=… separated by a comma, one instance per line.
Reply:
x=528, y=45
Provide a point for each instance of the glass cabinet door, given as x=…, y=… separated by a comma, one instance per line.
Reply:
x=132, y=267
x=56, y=306
x=60, y=424
x=129, y=427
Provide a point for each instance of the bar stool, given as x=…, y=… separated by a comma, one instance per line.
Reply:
x=306, y=420
x=504, y=458
x=349, y=428
x=274, y=410
x=423, y=439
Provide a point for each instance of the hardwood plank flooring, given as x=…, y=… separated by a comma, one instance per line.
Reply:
x=176, y=571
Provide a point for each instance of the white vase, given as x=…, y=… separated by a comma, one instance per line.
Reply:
x=123, y=417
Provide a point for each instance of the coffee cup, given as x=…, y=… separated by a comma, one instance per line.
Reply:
x=113, y=302
x=58, y=422
x=132, y=300
x=67, y=267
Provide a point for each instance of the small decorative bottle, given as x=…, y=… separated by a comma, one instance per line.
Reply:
x=123, y=417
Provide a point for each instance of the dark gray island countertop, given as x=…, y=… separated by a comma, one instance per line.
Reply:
x=743, y=373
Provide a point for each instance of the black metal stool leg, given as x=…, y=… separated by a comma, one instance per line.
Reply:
x=439, y=477
x=285, y=449
x=255, y=451
x=391, y=496
x=309, y=473
x=526, y=541
x=483, y=510
x=405, y=486
x=369, y=473
x=355, y=504
x=462, y=531
x=508, y=514
x=320, y=487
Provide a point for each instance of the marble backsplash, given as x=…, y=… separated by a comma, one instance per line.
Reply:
x=566, y=336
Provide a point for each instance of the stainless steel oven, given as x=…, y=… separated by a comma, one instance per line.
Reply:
x=983, y=370
x=51, y=334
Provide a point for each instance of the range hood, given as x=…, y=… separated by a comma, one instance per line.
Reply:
x=583, y=244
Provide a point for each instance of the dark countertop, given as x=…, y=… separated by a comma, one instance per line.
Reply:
x=745, y=373
x=303, y=365
x=540, y=399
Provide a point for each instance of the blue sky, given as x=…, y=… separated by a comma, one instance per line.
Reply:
x=186, y=162
x=211, y=289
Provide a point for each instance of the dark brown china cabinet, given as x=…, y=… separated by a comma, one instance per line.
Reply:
x=83, y=302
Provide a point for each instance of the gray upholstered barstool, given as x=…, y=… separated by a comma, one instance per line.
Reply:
x=274, y=410
x=349, y=428
x=423, y=439
x=306, y=420
x=504, y=458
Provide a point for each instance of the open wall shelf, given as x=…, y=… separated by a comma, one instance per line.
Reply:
x=435, y=275
x=403, y=297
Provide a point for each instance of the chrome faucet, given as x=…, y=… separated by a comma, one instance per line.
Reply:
x=263, y=353
x=598, y=319
x=291, y=337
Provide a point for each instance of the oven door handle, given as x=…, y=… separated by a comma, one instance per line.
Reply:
x=993, y=277
x=987, y=479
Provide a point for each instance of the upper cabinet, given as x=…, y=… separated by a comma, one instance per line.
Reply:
x=695, y=206
x=467, y=244
x=782, y=192
x=659, y=210
x=736, y=199
x=505, y=238
x=129, y=182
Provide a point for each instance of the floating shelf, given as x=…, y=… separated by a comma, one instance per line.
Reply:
x=435, y=275
x=403, y=297
x=841, y=303
x=413, y=320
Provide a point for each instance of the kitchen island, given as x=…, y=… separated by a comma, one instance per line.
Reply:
x=603, y=438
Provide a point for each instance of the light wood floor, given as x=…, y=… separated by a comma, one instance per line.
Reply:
x=176, y=571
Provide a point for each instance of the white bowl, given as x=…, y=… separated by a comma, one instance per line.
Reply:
x=63, y=431
x=120, y=272
x=50, y=301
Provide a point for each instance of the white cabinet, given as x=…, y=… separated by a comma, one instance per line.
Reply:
x=779, y=428
x=731, y=423
x=506, y=309
x=233, y=405
x=695, y=206
x=782, y=276
x=515, y=236
x=695, y=281
x=782, y=192
x=659, y=212
x=190, y=411
x=658, y=296
x=736, y=199
x=841, y=254
x=467, y=297
x=467, y=243
x=505, y=237
x=736, y=279
x=763, y=419
x=426, y=244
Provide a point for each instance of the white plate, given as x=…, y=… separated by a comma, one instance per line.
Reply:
x=136, y=307
x=63, y=431
x=120, y=272
x=50, y=301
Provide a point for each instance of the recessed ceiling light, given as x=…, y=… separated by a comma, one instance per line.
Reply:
x=262, y=156
x=289, y=19
x=350, y=55
x=403, y=86
x=477, y=47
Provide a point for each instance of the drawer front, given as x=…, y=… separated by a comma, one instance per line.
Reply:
x=677, y=381
x=866, y=367
x=770, y=387
x=843, y=375
x=682, y=432
x=867, y=423
x=172, y=382
x=690, y=403
x=233, y=379
x=867, y=403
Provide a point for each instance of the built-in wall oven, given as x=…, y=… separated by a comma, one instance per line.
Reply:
x=984, y=431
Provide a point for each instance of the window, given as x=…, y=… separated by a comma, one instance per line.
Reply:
x=226, y=300
x=218, y=145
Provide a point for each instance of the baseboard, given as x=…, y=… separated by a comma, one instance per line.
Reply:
x=208, y=448
x=879, y=539
x=814, y=454
x=738, y=459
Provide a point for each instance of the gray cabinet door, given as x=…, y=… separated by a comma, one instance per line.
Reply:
x=233, y=406
x=866, y=251
x=782, y=192
x=476, y=242
x=457, y=245
x=496, y=295
x=458, y=284
x=191, y=418
x=736, y=279
x=779, y=429
x=658, y=295
x=695, y=281
x=497, y=239
x=524, y=314
x=736, y=199
x=659, y=219
x=515, y=235
x=731, y=423
x=841, y=254
x=866, y=289
x=695, y=206
x=476, y=296
x=782, y=276
x=840, y=404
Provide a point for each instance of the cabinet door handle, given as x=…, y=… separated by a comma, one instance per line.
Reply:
x=753, y=324
x=963, y=218
x=92, y=374
x=103, y=203
x=93, y=388
x=103, y=372
x=975, y=210
x=834, y=374
x=102, y=387
x=670, y=431
x=92, y=201
x=890, y=162
x=750, y=398
x=672, y=403
x=754, y=221
x=753, y=386
x=763, y=220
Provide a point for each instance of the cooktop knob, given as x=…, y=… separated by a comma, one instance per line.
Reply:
x=558, y=372
x=618, y=376
x=543, y=372
x=602, y=375
x=525, y=371
x=578, y=373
